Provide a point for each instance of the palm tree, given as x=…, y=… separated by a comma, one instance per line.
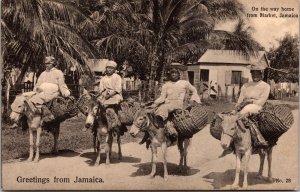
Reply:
x=33, y=28
x=156, y=32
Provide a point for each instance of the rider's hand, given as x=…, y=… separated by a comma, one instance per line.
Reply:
x=193, y=103
x=233, y=112
x=154, y=105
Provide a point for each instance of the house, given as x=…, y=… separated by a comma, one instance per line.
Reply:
x=225, y=70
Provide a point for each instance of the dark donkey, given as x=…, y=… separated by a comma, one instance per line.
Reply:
x=97, y=121
x=158, y=138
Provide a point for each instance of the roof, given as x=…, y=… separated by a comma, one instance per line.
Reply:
x=97, y=65
x=233, y=57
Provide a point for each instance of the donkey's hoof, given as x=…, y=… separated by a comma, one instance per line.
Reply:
x=29, y=160
x=107, y=165
x=151, y=176
x=259, y=176
x=234, y=187
x=245, y=187
x=166, y=178
x=36, y=160
x=270, y=179
x=96, y=164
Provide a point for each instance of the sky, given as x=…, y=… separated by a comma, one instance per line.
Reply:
x=268, y=30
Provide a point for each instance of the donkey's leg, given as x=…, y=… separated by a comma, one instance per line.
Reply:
x=235, y=184
x=186, y=145
x=269, y=157
x=37, y=144
x=31, y=145
x=262, y=156
x=119, y=145
x=181, y=151
x=97, y=140
x=55, y=135
x=246, y=158
x=164, y=153
x=108, y=146
x=153, y=160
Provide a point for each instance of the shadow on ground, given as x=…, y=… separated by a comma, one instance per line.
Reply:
x=221, y=179
x=173, y=169
x=61, y=153
x=91, y=158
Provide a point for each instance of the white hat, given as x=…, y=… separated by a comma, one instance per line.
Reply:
x=49, y=59
x=111, y=64
x=177, y=66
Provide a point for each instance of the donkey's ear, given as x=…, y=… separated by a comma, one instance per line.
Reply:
x=221, y=115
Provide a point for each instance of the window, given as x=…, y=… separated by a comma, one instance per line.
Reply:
x=204, y=75
x=191, y=77
x=236, y=77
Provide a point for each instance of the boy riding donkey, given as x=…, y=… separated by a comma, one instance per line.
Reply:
x=172, y=97
x=49, y=86
x=110, y=95
x=253, y=97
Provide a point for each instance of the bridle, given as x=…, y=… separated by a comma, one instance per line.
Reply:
x=144, y=126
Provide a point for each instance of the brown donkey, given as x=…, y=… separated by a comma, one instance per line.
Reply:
x=144, y=122
x=97, y=121
x=241, y=138
x=35, y=123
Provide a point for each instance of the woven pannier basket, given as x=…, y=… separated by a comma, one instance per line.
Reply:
x=215, y=127
x=63, y=108
x=187, y=123
x=127, y=112
x=274, y=120
x=83, y=102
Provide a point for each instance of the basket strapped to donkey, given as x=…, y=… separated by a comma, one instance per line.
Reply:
x=190, y=121
x=63, y=108
x=272, y=122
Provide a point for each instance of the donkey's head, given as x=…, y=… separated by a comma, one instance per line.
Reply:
x=93, y=111
x=17, y=107
x=141, y=122
x=231, y=130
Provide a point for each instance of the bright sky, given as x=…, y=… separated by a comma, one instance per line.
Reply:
x=268, y=30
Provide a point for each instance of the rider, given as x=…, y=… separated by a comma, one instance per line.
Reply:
x=50, y=84
x=110, y=93
x=252, y=98
x=172, y=94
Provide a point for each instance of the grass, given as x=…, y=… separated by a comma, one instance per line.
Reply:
x=15, y=143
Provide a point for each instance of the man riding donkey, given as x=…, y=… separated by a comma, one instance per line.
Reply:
x=253, y=97
x=172, y=97
x=50, y=84
x=110, y=95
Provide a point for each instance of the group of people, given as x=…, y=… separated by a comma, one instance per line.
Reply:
x=51, y=84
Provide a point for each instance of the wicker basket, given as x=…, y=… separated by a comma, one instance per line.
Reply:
x=274, y=120
x=63, y=108
x=187, y=123
x=127, y=112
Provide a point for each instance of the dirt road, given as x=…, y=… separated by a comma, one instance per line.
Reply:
x=206, y=170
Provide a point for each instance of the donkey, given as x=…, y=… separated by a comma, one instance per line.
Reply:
x=241, y=138
x=35, y=123
x=97, y=121
x=158, y=138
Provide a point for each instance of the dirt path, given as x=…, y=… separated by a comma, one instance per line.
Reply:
x=206, y=170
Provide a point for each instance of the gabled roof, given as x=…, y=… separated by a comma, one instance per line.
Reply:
x=233, y=57
x=97, y=65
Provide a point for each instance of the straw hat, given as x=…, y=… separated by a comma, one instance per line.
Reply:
x=176, y=66
x=111, y=64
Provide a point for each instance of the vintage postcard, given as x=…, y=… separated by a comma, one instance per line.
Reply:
x=149, y=95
